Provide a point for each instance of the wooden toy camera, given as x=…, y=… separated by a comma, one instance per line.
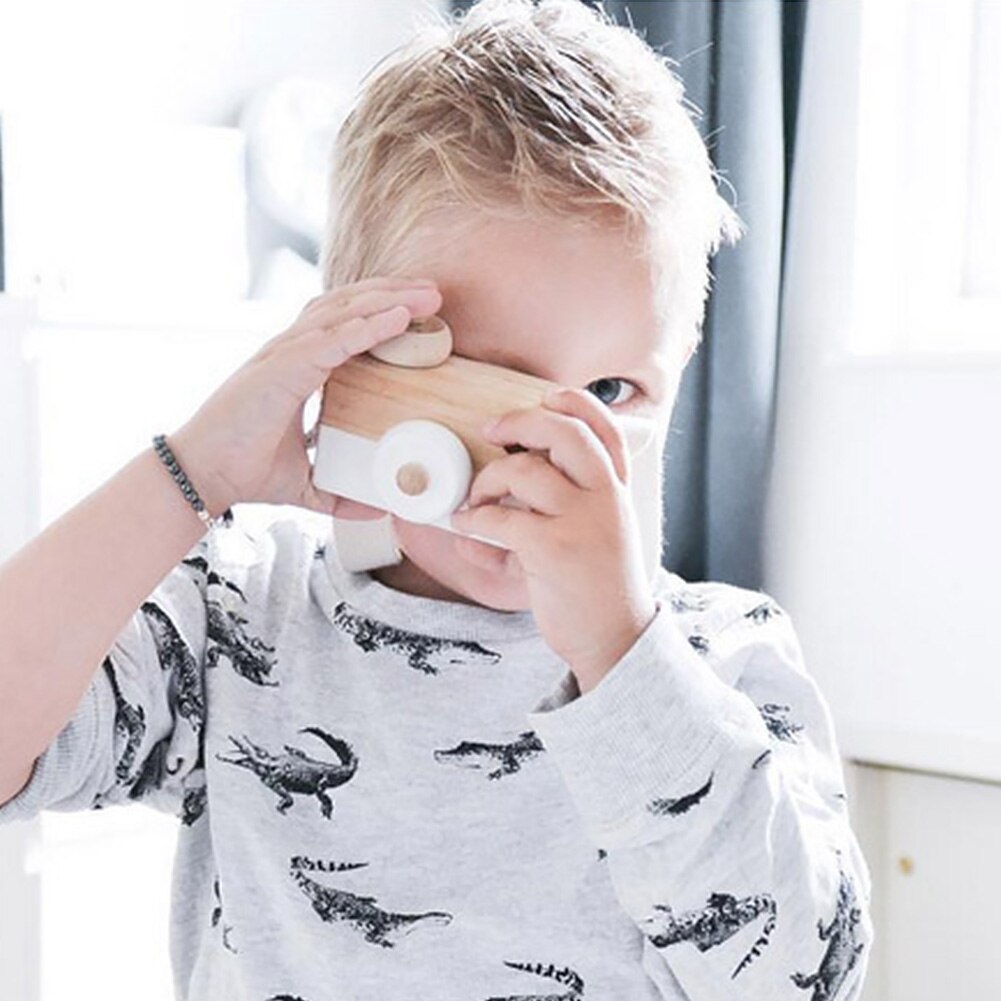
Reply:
x=399, y=429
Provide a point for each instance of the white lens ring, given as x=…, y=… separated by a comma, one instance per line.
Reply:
x=431, y=461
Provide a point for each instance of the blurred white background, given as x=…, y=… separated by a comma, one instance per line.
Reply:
x=163, y=200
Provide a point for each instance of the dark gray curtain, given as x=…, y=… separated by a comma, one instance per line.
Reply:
x=740, y=63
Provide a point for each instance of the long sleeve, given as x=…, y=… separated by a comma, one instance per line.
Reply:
x=705, y=769
x=136, y=734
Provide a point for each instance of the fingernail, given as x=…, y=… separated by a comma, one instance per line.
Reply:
x=490, y=426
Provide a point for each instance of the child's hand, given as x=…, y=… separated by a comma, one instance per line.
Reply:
x=246, y=442
x=579, y=547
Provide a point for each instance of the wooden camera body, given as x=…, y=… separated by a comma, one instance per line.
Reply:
x=399, y=430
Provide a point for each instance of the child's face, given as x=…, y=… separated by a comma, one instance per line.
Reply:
x=551, y=301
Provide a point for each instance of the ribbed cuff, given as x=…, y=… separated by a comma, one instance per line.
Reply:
x=58, y=768
x=643, y=731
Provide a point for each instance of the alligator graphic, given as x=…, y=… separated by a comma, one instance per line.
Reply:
x=763, y=612
x=688, y=601
x=225, y=632
x=843, y=947
x=200, y=565
x=193, y=805
x=217, y=915
x=207, y=576
x=174, y=656
x=699, y=643
x=775, y=717
x=565, y=975
x=423, y=653
x=682, y=804
x=227, y=638
x=130, y=724
x=305, y=864
x=154, y=769
x=296, y=772
x=506, y=757
x=722, y=917
x=381, y=927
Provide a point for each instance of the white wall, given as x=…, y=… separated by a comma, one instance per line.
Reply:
x=83, y=85
x=886, y=541
x=185, y=61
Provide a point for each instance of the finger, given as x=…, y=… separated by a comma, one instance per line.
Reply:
x=335, y=345
x=300, y=424
x=303, y=364
x=600, y=418
x=574, y=448
x=482, y=554
x=326, y=311
x=319, y=500
x=421, y=301
x=510, y=527
x=342, y=294
x=529, y=477
x=493, y=559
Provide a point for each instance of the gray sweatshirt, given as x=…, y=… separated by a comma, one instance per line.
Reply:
x=387, y=796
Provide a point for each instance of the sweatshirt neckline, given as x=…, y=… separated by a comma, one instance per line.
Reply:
x=417, y=613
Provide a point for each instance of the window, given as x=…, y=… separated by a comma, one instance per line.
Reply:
x=928, y=208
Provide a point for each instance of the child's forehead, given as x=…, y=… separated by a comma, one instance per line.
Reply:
x=547, y=294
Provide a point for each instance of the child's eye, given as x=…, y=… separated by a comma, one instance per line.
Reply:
x=605, y=390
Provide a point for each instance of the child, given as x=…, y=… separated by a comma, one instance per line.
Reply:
x=482, y=772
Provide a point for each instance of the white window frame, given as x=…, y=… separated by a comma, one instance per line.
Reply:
x=917, y=92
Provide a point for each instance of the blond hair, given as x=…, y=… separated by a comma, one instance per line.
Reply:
x=525, y=109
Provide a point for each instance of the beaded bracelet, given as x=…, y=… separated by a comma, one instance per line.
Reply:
x=186, y=486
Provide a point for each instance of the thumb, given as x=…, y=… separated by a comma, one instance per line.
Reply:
x=319, y=500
